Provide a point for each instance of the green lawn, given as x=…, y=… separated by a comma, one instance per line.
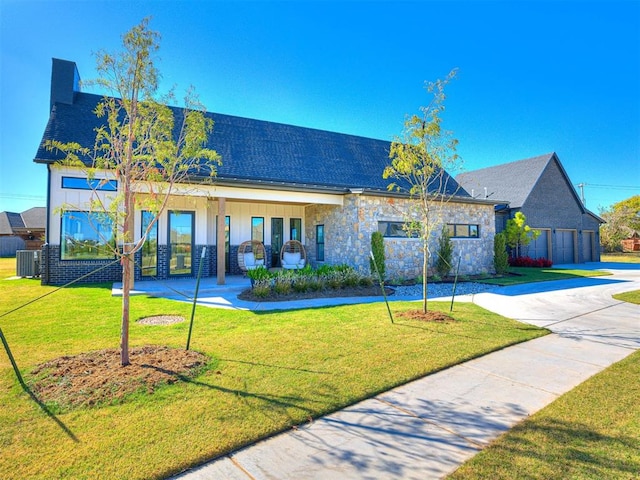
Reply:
x=626, y=257
x=591, y=432
x=270, y=371
x=529, y=275
x=631, y=297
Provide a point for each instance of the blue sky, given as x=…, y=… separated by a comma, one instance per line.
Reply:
x=534, y=77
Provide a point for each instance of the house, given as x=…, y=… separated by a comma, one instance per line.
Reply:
x=21, y=231
x=631, y=244
x=276, y=183
x=540, y=188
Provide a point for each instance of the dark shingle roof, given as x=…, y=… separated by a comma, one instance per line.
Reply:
x=35, y=218
x=512, y=182
x=32, y=219
x=256, y=151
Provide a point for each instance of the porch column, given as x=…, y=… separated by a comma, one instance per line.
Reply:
x=220, y=241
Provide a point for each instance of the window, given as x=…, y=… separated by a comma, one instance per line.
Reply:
x=458, y=230
x=150, y=248
x=90, y=184
x=257, y=229
x=320, y=243
x=394, y=229
x=181, y=229
x=295, y=229
x=86, y=236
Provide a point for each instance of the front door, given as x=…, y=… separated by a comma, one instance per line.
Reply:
x=277, y=229
x=181, y=227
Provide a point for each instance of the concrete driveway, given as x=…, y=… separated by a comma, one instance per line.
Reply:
x=427, y=428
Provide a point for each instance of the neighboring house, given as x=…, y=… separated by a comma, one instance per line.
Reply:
x=540, y=188
x=277, y=182
x=631, y=244
x=22, y=231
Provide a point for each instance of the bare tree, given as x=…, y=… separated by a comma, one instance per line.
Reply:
x=147, y=146
x=420, y=158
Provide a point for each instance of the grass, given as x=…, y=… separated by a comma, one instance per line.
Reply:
x=626, y=257
x=592, y=432
x=270, y=371
x=529, y=275
x=631, y=297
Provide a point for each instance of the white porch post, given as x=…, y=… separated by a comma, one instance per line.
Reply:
x=220, y=241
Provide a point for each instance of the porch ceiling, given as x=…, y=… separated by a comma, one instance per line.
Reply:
x=252, y=194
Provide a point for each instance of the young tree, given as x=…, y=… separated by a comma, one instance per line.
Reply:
x=445, y=253
x=419, y=160
x=518, y=234
x=623, y=220
x=146, y=145
x=500, y=256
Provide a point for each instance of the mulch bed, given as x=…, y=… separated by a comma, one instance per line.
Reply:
x=372, y=291
x=429, y=316
x=98, y=378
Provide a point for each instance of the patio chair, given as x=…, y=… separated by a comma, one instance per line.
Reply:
x=251, y=255
x=293, y=255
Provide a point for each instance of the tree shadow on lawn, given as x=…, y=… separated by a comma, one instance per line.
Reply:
x=572, y=444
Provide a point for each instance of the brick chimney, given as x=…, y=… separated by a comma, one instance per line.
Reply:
x=65, y=80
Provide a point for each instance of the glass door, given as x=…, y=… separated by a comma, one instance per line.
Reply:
x=277, y=229
x=181, y=227
x=149, y=264
x=227, y=242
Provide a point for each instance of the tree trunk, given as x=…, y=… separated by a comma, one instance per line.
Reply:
x=127, y=271
x=126, y=288
x=425, y=266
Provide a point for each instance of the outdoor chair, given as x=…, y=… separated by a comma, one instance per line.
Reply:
x=251, y=255
x=293, y=255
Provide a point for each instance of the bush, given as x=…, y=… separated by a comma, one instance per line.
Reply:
x=261, y=288
x=500, y=256
x=445, y=252
x=530, y=262
x=378, y=260
x=282, y=282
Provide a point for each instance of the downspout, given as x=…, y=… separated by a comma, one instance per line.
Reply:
x=44, y=278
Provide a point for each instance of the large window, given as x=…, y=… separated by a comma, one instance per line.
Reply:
x=150, y=247
x=181, y=228
x=90, y=184
x=458, y=230
x=394, y=229
x=257, y=229
x=295, y=229
x=86, y=236
x=320, y=243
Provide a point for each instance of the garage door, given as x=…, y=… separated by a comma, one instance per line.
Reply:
x=539, y=248
x=587, y=246
x=563, y=251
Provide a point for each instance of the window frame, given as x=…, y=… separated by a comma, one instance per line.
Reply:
x=454, y=228
x=398, y=226
x=254, y=226
x=97, y=231
x=82, y=183
x=320, y=244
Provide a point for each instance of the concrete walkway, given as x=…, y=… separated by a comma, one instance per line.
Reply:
x=427, y=428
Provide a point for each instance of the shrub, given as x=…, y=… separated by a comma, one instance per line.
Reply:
x=500, y=256
x=378, y=260
x=301, y=283
x=261, y=288
x=282, y=282
x=445, y=252
x=530, y=262
x=366, y=281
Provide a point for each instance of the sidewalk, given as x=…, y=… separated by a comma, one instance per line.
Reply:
x=427, y=428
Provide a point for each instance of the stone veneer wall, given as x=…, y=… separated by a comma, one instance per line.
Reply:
x=348, y=232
